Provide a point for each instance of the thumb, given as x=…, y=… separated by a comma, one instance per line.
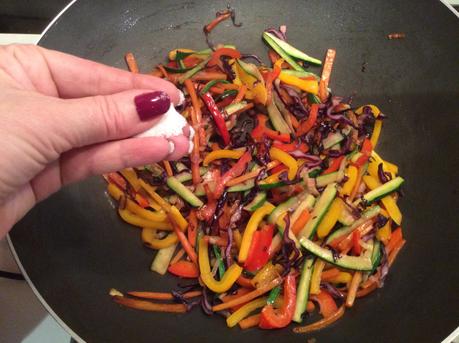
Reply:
x=91, y=120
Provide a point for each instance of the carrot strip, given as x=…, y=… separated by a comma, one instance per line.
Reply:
x=244, y=282
x=355, y=282
x=365, y=291
x=196, y=116
x=394, y=252
x=156, y=72
x=131, y=62
x=162, y=295
x=251, y=175
x=323, y=323
x=209, y=27
x=329, y=274
x=168, y=168
x=217, y=90
x=220, y=241
x=249, y=296
x=294, y=121
x=192, y=228
x=300, y=222
x=240, y=94
x=228, y=86
x=208, y=75
x=239, y=293
x=177, y=256
x=149, y=306
x=328, y=66
x=166, y=75
x=184, y=241
x=250, y=322
x=310, y=307
x=395, y=239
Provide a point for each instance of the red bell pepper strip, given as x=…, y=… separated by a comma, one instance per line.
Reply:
x=185, y=269
x=327, y=304
x=259, y=248
x=356, y=247
x=365, y=151
x=215, y=59
x=234, y=171
x=334, y=165
x=261, y=131
x=307, y=124
x=271, y=318
x=291, y=146
x=217, y=115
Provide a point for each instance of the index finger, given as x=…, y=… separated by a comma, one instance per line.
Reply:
x=76, y=77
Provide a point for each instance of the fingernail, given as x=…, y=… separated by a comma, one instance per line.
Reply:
x=171, y=147
x=151, y=105
x=181, y=98
x=186, y=131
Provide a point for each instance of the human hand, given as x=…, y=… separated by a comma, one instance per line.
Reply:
x=64, y=118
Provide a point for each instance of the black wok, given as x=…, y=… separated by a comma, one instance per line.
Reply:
x=74, y=248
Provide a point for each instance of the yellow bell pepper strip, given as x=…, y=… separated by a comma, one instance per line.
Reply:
x=383, y=234
x=374, y=109
x=250, y=229
x=376, y=132
x=131, y=176
x=266, y=274
x=138, y=221
x=310, y=86
x=342, y=277
x=388, y=201
x=245, y=310
x=168, y=208
x=330, y=219
x=154, y=216
x=228, y=279
x=223, y=153
x=286, y=159
x=149, y=239
x=393, y=168
x=348, y=186
x=316, y=276
x=387, y=166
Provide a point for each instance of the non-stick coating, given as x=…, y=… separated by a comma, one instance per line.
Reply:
x=74, y=247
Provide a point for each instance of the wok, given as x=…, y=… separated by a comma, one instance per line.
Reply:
x=73, y=247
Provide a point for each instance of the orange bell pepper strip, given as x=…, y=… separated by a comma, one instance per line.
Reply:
x=306, y=125
x=185, y=269
x=261, y=131
x=215, y=59
x=326, y=303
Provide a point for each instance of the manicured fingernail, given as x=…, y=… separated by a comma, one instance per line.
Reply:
x=181, y=98
x=186, y=131
x=151, y=105
x=171, y=147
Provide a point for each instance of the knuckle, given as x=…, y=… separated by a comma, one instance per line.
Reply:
x=109, y=115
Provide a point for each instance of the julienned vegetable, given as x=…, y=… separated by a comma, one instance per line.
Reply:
x=283, y=204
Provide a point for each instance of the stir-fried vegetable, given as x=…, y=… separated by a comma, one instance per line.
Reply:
x=283, y=203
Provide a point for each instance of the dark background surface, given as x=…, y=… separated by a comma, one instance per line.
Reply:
x=28, y=16
x=74, y=247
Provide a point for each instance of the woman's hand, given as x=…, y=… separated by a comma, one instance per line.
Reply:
x=63, y=118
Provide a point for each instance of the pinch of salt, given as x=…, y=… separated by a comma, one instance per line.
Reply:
x=169, y=124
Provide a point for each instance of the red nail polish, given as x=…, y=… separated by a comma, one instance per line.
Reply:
x=151, y=105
